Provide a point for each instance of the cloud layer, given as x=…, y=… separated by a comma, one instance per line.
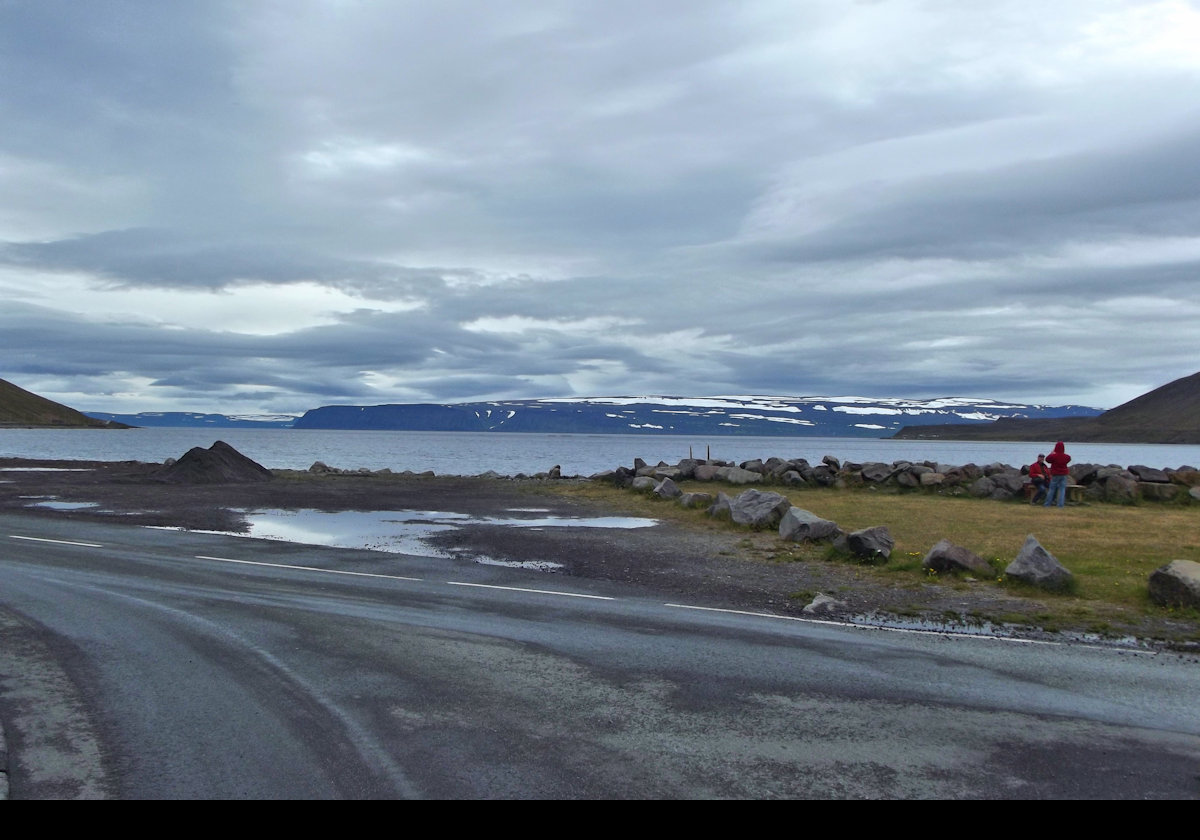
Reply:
x=269, y=206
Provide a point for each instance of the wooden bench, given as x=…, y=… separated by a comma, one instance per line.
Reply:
x=1074, y=492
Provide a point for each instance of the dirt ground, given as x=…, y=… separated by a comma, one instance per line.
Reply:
x=719, y=568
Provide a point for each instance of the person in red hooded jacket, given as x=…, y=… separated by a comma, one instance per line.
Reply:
x=1058, y=460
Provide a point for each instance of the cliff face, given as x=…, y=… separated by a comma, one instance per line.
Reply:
x=22, y=409
x=1170, y=414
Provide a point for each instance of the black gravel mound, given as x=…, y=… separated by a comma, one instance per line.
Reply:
x=219, y=464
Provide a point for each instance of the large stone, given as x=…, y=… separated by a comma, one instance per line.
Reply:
x=1145, y=473
x=824, y=604
x=982, y=487
x=737, y=475
x=668, y=489
x=874, y=543
x=1118, y=488
x=876, y=472
x=1037, y=566
x=1176, y=584
x=1158, y=492
x=722, y=507
x=801, y=525
x=695, y=500
x=758, y=509
x=945, y=556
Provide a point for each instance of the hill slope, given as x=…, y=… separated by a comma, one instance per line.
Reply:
x=1169, y=414
x=21, y=408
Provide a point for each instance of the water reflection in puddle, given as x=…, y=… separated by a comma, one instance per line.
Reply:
x=50, y=502
x=408, y=531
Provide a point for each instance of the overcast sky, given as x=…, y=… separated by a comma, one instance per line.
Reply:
x=257, y=206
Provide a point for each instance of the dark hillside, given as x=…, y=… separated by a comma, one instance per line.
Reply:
x=1170, y=414
x=21, y=409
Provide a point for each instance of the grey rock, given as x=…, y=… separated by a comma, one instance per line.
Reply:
x=945, y=556
x=824, y=604
x=801, y=525
x=758, y=509
x=722, y=507
x=1176, y=584
x=668, y=489
x=876, y=472
x=737, y=475
x=1118, y=488
x=1037, y=566
x=695, y=500
x=982, y=487
x=644, y=482
x=874, y=543
x=1158, y=492
x=1144, y=473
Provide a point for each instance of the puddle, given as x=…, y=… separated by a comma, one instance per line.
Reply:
x=407, y=531
x=53, y=504
x=45, y=469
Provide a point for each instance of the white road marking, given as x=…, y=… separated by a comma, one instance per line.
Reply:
x=306, y=568
x=534, y=591
x=859, y=626
x=56, y=542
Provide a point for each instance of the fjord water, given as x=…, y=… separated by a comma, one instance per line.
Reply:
x=471, y=453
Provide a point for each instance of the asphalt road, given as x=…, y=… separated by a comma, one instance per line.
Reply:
x=142, y=663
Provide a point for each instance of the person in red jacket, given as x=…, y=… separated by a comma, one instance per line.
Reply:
x=1039, y=476
x=1058, y=460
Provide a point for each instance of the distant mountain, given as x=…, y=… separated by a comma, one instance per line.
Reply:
x=23, y=409
x=1170, y=414
x=710, y=416
x=192, y=419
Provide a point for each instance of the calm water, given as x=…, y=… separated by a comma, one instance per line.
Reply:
x=467, y=453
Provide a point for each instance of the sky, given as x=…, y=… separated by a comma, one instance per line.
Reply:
x=265, y=206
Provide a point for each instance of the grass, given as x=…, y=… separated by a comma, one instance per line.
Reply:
x=1110, y=549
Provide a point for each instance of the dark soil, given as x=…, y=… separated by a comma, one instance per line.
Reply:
x=711, y=567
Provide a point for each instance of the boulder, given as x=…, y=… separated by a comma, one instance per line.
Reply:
x=982, y=487
x=644, y=482
x=705, y=472
x=737, y=475
x=874, y=543
x=722, y=507
x=1157, y=491
x=1145, y=473
x=945, y=556
x=758, y=509
x=876, y=472
x=1176, y=584
x=1037, y=566
x=801, y=525
x=668, y=489
x=823, y=604
x=695, y=500
x=1118, y=488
